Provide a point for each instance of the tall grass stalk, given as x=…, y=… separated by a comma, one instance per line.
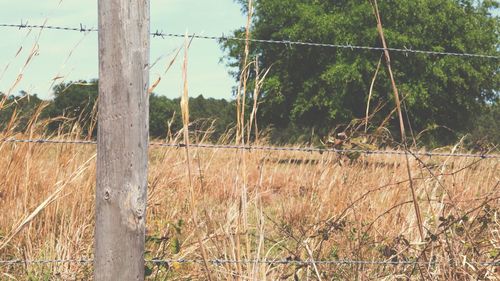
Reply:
x=185, y=122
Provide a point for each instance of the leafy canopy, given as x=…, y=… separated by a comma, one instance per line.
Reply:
x=324, y=87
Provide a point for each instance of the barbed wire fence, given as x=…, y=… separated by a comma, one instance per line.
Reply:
x=160, y=34
x=267, y=148
x=256, y=261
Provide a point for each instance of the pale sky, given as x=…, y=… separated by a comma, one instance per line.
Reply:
x=73, y=55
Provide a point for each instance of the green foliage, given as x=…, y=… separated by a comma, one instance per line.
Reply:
x=486, y=127
x=324, y=87
x=161, y=111
x=223, y=111
x=76, y=101
x=148, y=270
x=164, y=110
x=23, y=104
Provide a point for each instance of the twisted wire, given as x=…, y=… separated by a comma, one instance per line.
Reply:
x=251, y=261
x=160, y=34
x=267, y=148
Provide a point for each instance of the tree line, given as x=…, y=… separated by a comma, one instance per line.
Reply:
x=76, y=103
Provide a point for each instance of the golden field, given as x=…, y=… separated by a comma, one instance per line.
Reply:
x=259, y=205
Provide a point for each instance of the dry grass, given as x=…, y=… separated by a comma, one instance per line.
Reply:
x=297, y=209
x=245, y=205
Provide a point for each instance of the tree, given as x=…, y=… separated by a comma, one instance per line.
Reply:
x=23, y=105
x=161, y=111
x=164, y=110
x=76, y=101
x=324, y=87
x=486, y=129
x=220, y=111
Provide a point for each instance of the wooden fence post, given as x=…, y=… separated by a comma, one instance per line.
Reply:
x=122, y=140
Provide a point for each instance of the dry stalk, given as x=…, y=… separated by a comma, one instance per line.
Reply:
x=59, y=76
x=242, y=225
x=19, y=50
x=401, y=126
x=401, y=121
x=311, y=257
x=185, y=122
x=253, y=114
x=20, y=75
x=242, y=90
x=370, y=93
x=259, y=81
x=169, y=65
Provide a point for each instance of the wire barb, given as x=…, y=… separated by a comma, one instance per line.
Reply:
x=23, y=25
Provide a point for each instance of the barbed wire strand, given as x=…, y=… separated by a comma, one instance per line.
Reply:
x=251, y=261
x=266, y=148
x=326, y=45
x=47, y=261
x=160, y=34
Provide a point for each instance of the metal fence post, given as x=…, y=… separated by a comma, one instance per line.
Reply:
x=122, y=140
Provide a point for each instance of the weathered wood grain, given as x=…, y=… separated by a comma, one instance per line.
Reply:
x=122, y=140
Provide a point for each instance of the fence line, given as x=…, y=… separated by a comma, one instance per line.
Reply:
x=256, y=261
x=218, y=262
x=268, y=148
x=160, y=34
x=327, y=45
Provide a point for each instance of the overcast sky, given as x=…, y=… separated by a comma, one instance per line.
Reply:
x=73, y=55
